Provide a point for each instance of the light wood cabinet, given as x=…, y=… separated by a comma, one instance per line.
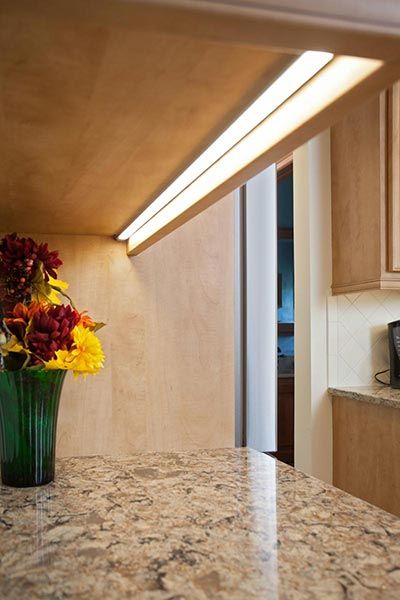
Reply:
x=365, y=158
x=366, y=451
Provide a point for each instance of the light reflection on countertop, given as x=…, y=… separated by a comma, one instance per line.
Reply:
x=208, y=524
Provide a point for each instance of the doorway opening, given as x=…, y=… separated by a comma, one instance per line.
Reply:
x=285, y=313
x=265, y=312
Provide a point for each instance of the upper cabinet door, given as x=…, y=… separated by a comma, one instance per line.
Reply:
x=393, y=156
x=365, y=157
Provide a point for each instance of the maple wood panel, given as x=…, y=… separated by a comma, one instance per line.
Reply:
x=358, y=195
x=365, y=155
x=104, y=103
x=366, y=451
x=168, y=381
x=98, y=118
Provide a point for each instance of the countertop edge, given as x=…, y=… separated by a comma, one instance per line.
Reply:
x=380, y=396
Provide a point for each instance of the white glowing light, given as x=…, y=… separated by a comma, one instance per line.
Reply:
x=299, y=72
x=335, y=80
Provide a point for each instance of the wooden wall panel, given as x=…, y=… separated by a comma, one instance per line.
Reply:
x=168, y=381
x=366, y=452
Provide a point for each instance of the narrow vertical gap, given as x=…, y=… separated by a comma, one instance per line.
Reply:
x=243, y=223
x=240, y=319
x=285, y=314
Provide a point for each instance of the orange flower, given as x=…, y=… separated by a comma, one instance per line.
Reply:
x=20, y=317
x=86, y=320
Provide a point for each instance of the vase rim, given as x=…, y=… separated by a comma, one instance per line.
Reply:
x=31, y=371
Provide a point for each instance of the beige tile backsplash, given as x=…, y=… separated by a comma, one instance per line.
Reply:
x=357, y=335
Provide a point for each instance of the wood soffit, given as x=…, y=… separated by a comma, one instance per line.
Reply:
x=104, y=103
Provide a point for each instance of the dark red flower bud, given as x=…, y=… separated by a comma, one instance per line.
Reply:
x=19, y=258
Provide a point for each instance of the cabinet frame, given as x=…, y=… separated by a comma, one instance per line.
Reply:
x=393, y=173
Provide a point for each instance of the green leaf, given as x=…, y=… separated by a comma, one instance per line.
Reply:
x=41, y=289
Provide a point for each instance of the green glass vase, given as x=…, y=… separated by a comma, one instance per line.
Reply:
x=29, y=401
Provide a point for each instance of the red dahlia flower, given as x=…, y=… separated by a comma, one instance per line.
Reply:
x=50, y=260
x=50, y=330
x=19, y=260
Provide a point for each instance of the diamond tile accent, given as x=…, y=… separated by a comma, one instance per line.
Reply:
x=366, y=304
x=357, y=335
x=353, y=320
x=343, y=336
x=392, y=304
x=353, y=353
x=380, y=316
x=343, y=304
x=353, y=297
x=344, y=371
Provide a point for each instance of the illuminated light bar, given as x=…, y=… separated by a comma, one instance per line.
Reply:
x=299, y=72
x=337, y=78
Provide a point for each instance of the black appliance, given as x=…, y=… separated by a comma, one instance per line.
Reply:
x=394, y=353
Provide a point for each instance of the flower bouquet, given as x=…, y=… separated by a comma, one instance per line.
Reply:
x=42, y=336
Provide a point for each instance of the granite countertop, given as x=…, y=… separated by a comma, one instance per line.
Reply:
x=209, y=524
x=374, y=394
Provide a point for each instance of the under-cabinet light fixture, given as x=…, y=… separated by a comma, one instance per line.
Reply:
x=298, y=73
x=283, y=109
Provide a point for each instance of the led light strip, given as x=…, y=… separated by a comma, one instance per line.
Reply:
x=299, y=72
x=340, y=76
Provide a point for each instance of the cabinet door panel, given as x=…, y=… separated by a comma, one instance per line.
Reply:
x=357, y=197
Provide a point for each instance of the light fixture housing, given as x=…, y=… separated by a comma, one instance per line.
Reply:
x=298, y=73
x=307, y=87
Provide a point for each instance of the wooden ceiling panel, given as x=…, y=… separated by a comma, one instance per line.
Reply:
x=97, y=119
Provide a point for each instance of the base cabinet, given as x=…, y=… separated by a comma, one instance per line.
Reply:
x=366, y=452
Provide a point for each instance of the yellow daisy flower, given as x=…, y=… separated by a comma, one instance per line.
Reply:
x=85, y=357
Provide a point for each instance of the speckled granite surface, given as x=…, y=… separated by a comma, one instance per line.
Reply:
x=383, y=395
x=212, y=524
